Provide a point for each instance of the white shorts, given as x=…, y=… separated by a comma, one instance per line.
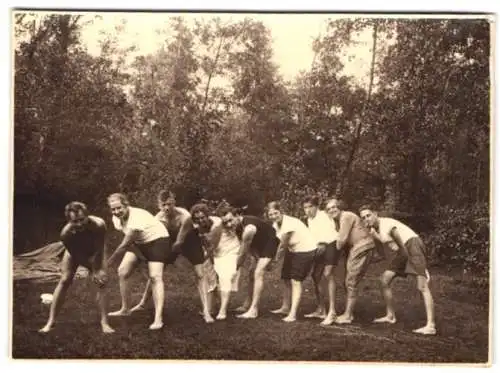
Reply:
x=225, y=266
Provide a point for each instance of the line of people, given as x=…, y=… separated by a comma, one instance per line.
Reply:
x=218, y=245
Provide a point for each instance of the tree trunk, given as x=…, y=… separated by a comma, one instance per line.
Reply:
x=345, y=178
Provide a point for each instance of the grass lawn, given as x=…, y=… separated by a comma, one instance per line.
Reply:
x=462, y=314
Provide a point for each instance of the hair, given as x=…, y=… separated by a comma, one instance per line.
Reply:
x=367, y=207
x=123, y=199
x=313, y=200
x=200, y=207
x=75, y=207
x=274, y=205
x=164, y=195
x=228, y=209
x=340, y=203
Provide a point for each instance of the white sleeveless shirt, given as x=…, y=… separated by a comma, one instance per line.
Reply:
x=387, y=224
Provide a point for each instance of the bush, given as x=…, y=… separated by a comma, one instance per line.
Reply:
x=461, y=239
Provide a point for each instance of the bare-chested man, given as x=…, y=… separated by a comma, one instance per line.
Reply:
x=186, y=242
x=84, y=238
x=258, y=238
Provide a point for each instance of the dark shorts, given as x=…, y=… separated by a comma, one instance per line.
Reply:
x=154, y=251
x=192, y=250
x=296, y=266
x=412, y=264
x=268, y=250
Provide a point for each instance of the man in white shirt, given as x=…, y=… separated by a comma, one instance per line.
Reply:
x=324, y=232
x=409, y=260
x=151, y=238
x=300, y=246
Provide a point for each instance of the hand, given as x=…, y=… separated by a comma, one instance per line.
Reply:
x=271, y=265
x=321, y=248
x=100, y=278
x=176, y=247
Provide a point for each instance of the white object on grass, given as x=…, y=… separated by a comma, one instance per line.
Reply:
x=46, y=298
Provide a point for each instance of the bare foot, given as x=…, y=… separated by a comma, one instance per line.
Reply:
x=343, y=319
x=120, y=312
x=426, y=330
x=281, y=311
x=208, y=319
x=156, y=326
x=289, y=319
x=250, y=314
x=107, y=329
x=139, y=307
x=221, y=316
x=318, y=314
x=329, y=320
x=386, y=319
x=242, y=308
x=47, y=328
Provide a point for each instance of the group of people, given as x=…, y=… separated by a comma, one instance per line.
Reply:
x=219, y=244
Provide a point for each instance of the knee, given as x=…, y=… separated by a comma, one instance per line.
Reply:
x=385, y=280
x=422, y=286
x=156, y=278
x=328, y=274
x=124, y=272
x=258, y=274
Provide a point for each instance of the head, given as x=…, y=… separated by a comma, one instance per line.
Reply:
x=166, y=202
x=311, y=206
x=118, y=204
x=368, y=215
x=334, y=207
x=200, y=214
x=275, y=212
x=77, y=214
x=230, y=217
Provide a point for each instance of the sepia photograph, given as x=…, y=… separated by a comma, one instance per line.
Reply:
x=251, y=186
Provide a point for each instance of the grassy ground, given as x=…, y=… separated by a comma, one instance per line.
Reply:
x=462, y=314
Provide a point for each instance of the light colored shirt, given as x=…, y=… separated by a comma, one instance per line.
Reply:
x=352, y=231
x=322, y=228
x=229, y=244
x=387, y=224
x=149, y=228
x=301, y=239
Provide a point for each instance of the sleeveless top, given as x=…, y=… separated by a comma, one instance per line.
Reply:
x=264, y=234
x=84, y=244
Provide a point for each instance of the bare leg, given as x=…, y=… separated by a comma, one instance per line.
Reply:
x=296, y=295
x=385, y=283
x=202, y=284
x=250, y=286
x=285, y=306
x=145, y=297
x=158, y=289
x=102, y=304
x=318, y=283
x=253, y=310
x=125, y=269
x=330, y=278
x=68, y=269
x=430, y=327
x=224, y=301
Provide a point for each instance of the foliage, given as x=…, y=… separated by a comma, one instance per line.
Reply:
x=461, y=238
x=209, y=116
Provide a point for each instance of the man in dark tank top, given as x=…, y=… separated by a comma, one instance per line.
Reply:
x=84, y=237
x=258, y=239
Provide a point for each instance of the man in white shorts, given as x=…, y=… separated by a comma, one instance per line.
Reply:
x=409, y=259
x=299, y=247
x=151, y=239
x=324, y=232
x=225, y=259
